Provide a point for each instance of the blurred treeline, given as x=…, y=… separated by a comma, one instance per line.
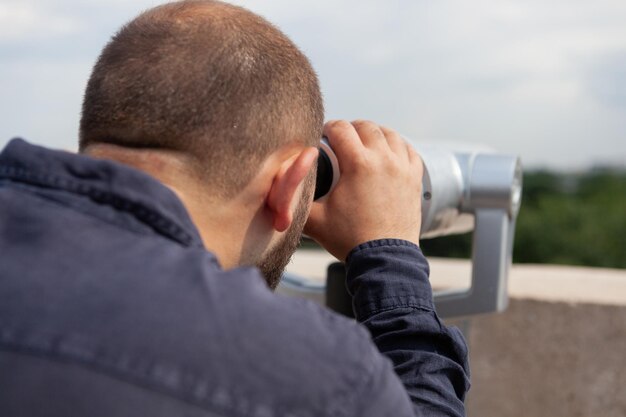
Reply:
x=573, y=219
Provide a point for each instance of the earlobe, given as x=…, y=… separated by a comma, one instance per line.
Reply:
x=282, y=197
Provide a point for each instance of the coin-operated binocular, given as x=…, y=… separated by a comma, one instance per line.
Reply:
x=461, y=191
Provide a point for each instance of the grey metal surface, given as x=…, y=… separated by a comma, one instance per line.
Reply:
x=444, y=189
x=493, y=198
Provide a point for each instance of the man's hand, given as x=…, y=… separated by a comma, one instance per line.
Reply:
x=378, y=194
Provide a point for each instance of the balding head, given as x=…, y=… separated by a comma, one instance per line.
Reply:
x=206, y=79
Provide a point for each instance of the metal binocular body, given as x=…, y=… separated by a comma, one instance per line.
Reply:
x=462, y=191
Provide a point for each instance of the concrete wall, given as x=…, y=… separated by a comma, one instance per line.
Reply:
x=549, y=359
x=558, y=350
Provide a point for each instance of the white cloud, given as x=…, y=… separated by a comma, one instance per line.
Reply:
x=19, y=20
x=539, y=78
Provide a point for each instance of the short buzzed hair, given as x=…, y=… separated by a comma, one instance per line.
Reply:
x=208, y=79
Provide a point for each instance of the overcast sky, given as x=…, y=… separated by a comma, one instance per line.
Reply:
x=542, y=79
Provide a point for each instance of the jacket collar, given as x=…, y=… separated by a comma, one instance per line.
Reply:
x=104, y=181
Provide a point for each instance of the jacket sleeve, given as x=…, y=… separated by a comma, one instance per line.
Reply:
x=392, y=298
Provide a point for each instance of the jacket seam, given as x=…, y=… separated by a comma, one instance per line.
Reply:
x=378, y=244
x=157, y=221
x=373, y=311
x=49, y=200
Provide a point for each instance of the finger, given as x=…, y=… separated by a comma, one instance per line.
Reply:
x=371, y=135
x=414, y=157
x=396, y=143
x=343, y=139
x=416, y=161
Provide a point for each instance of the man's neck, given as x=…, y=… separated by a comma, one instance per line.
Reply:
x=226, y=226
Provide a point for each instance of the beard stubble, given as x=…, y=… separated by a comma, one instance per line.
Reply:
x=274, y=263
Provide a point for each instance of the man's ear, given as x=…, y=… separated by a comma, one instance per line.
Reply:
x=290, y=175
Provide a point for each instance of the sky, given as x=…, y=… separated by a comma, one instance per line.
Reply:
x=545, y=80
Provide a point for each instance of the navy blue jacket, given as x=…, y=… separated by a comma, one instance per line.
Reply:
x=111, y=306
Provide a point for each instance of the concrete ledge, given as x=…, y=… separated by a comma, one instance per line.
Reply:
x=543, y=282
x=537, y=282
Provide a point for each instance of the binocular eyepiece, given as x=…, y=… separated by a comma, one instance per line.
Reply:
x=455, y=184
x=327, y=170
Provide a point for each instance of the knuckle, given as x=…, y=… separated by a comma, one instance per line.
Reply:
x=368, y=129
x=389, y=132
x=414, y=154
x=365, y=124
x=338, y=125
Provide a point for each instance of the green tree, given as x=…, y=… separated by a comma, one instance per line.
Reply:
x=564, y=219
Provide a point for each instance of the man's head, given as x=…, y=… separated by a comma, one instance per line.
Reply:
x=223, y=94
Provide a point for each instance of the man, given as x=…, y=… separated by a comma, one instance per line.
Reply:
x=127, y=278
